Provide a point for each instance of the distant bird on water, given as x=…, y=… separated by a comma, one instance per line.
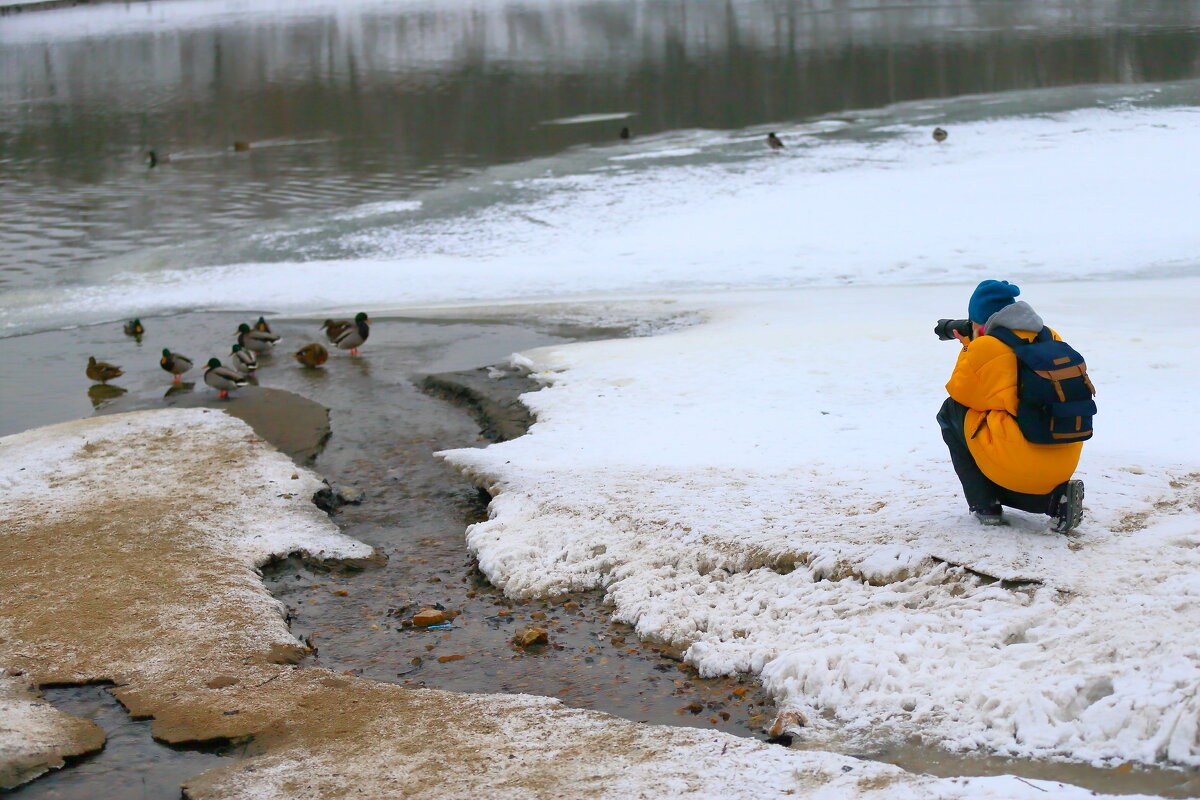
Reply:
x=175, y=363
x=625, y=134
x=243, y=360
x=134, y=328
x=353, y=337
x=102, y=371
x=241, y=147
x=773, y=142
x=312, y=355
x=223, y=379
x=256, y=341
x=153, y=158
x=335, y=327
x=939, y=135
x=262, y=325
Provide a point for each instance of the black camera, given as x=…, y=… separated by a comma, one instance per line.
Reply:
x=945, y=328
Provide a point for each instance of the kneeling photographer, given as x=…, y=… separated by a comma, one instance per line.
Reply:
x=1020, y=407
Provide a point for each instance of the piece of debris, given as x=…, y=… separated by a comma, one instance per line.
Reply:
x=427, y=617
x=221, y=682
x=783, y=721
x=526, y=637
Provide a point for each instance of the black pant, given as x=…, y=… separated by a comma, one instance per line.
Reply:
x=980, y=491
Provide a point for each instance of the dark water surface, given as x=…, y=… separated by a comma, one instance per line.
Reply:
x=358, y=102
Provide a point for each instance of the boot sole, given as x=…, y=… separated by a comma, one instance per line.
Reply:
x=1073, y=497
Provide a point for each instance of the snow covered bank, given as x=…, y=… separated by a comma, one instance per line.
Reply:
x=447, y=746
x=771, y=489
x=128, y=547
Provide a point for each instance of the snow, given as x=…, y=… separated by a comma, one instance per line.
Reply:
x=191, y=495
x=535, y=747
x=212, y=484
x=770, y=490
x=54, y=468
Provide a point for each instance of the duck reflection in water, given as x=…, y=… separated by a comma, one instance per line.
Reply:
x=101, y=393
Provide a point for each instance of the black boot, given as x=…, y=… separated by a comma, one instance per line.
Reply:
x=1067, y=507
x=989, y=515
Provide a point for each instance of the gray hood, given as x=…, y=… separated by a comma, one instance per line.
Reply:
x=1018, y=316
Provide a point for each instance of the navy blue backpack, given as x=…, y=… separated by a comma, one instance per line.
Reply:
x=1054, y=395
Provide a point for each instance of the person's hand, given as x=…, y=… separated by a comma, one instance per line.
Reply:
x=963, y=340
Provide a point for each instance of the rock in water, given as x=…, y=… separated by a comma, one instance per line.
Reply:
x=526, y=637
x=428, y=616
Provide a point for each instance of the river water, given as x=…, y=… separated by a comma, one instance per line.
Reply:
x=418, y=152
x=386, y=138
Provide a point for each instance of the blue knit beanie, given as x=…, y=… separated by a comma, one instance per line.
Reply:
x=989, y=297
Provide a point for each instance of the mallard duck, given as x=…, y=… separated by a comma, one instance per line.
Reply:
x=773, y=142
x=100, y=371
x=241, y=147
x=353, y=337
x=262, y=325
x=256, y=341
x=625, y=134
x=134, y=328
x=243, y=360
x=175, y=363
x=312, y=355
x=223, y=379
x=153, y=159
x=335, y=327
x=939, y=135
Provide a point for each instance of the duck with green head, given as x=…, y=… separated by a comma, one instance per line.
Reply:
x=134, y=328
x=255, y=341
x=243, y=360
x=223, y=379
x=175, y=363
x=353, y=337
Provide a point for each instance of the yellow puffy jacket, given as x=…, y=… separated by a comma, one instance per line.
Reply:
x=985, y=381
